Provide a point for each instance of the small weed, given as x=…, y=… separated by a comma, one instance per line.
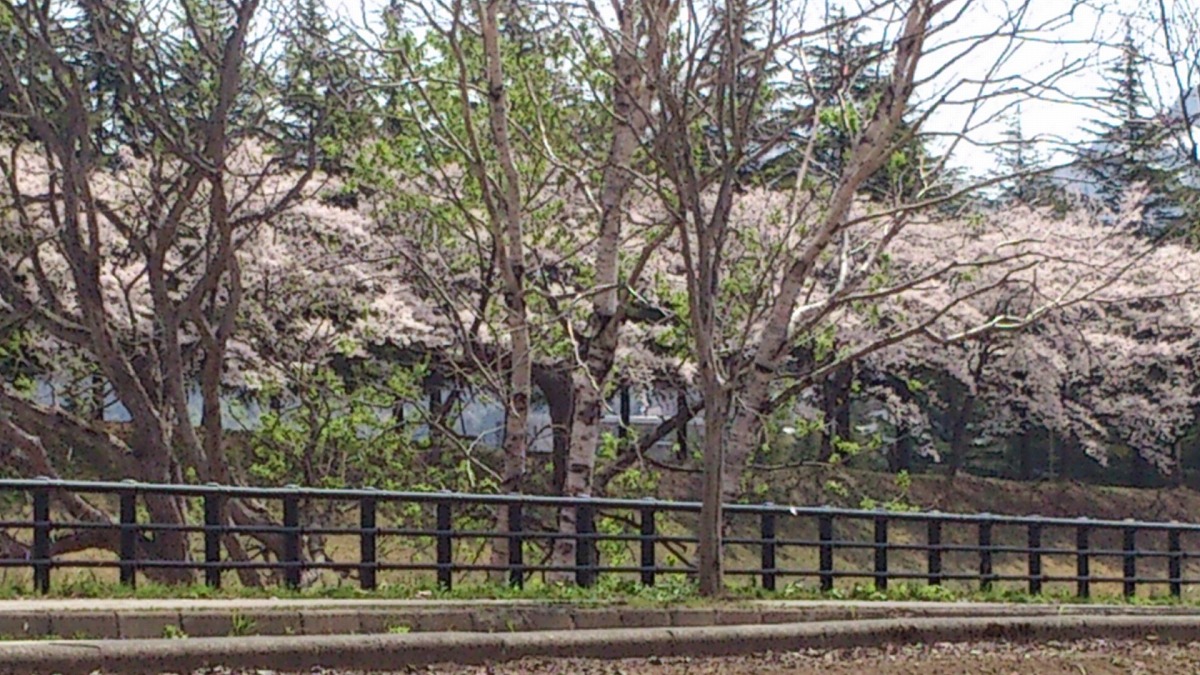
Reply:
x=173, y=632
x=399, y=630
x=241, y=625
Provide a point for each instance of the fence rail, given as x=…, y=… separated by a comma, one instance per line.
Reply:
x=972, y=536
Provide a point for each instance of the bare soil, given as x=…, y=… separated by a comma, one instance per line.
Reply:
x=1094, y=657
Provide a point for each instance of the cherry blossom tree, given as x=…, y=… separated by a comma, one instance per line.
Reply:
x=534, y=198
x=1112, y=363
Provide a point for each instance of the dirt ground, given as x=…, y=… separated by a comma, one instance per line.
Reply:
x=1095, y=657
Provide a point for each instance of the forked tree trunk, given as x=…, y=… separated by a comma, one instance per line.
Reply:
x=869, y=154
x=587, y=415
x=599, y=347
x=153, y=456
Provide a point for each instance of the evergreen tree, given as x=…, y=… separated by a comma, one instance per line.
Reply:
x=846, y=75
x=112, y=105
x=325, y=97
x=1019, y=164
x=1126, y=150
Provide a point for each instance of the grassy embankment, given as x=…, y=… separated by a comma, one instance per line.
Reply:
x=839, y=488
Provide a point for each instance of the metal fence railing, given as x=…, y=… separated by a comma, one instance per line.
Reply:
x=841, y=543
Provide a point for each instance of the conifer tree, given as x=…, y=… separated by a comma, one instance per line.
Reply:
x=848, y=73
x=1019, y=167
x=323, y=88
x=1126, y=150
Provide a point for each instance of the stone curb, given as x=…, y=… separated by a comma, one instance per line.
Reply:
x=368, y=652
x=143, y=621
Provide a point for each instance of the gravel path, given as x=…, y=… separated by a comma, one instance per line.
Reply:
x=1094, y=657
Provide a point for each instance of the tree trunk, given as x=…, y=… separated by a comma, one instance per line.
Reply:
x=96, y=389
x=962, y=416
x=711, y=573
x=1024, y=449
x=743, y=436
x=835, y=402
x=598, y=351
x=437, y=441
x=556, y=387
x=508, y=224
x=1177, y=473
x=683, y=417
x=153, y=456
x=585, y=437
x=958, y=434
x=899, y=456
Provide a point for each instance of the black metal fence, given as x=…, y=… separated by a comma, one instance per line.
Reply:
x=935, y=548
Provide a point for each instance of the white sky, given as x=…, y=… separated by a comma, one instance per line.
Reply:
x=1053, y=116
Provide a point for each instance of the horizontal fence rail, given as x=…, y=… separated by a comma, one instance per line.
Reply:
x=644, y=538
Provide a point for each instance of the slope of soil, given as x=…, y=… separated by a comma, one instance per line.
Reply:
x=818, y=485
x=972, y=494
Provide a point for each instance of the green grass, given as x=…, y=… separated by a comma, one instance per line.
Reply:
x=670, y=591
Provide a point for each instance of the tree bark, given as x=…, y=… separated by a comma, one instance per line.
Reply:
x=709, y=548
x=508, y=223
x=597, y=351
x=1177, y=477
x=966, y=408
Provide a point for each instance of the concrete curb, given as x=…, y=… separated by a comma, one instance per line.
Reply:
x=370, y=652
x=110, y=620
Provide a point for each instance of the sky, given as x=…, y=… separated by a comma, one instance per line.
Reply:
x=1060, y=117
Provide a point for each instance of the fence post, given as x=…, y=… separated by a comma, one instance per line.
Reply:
x=626, y=405
x=445, y=548
x=128, y=513
x=367, y=539
x=1083, y=572
x=1035, y=558
x=1130, y=547
x=649, y=542
x=516, y=546
x=291, y=539
x=585, y=551
x=41, y=539
x=767, y=532
x=881, y=552
x=825, y=534
x=1175, y=563
x=934, y=541
x=985, y=554
x=213, y=506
